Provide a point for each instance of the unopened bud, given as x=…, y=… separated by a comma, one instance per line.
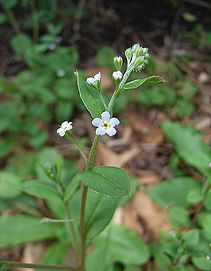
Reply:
x=118, y=61
x=128, y=53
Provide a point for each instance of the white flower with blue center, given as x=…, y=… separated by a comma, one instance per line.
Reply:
x=105, y=125
x=65, y=126
x=94, y=81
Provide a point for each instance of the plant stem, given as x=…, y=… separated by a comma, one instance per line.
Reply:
x=12, y=19
x=37, y=266
x=35, y=21
x=78, y=146
x=120, y=87
x=90, y=163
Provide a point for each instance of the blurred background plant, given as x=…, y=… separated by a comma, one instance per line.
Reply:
x=41, y=45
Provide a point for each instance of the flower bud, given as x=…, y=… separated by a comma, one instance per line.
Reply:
x=118, y=61
x=128, y=53
x=136, y=49
x=117, y=75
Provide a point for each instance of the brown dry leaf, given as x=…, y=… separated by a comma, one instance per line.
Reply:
x=147, y=131
x=32, y=253
x=147, y=177
x=145, y=217
x=106, y=77
x=107, y=157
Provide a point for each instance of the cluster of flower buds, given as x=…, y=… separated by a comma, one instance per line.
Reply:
x=137, y=56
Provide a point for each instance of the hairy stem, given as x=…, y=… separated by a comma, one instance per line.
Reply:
x=37, y=266
x=120, y=87
x=90, y=164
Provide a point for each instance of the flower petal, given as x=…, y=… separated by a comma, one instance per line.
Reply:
x=61, y=132
x=69, y=126
x=111, y=131
x=114, y=121
x=105, y=116
x=100, y=131
x=64, y=124
x=97, y=76
x=90, y=80
x=97, y=122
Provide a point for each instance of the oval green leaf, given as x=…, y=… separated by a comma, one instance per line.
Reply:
x=109, y=181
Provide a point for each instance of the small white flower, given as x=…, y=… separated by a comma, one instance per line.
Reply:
x=106, y=124
x=95, y=81
x=209, y=165
x=65, y=126
x=52, y=46
x=117, y=75
x=207, y=258
x=60, y=73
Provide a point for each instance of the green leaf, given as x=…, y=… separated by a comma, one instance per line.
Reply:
x=157, y=96
x=191, y=238
x=90, y=97
x=21, y=44
x=20, y=229
x=179, y=216
x=207, y=201
x=173, y=191
x=10, y=185
x=8, y=111
x=99, y=212
x=184, y=108
x=3, y=18
x=189, y=145
x=10, y=3
x=202, y=263
x=64, y=110
x=149, y=81
x=49, y=160
x=16, y=162
x=71, y=188
x=194, y=196
x=204, y=219
x=109, y=181
x=6, y=146
x=207, y=39
x=105, y=56
x=125, y=246
x=40, y=189
x=66, y=89
x=55, y=253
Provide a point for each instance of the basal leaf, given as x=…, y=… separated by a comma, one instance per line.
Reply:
x=10, y=185
x=124, y=246
x=173, y=191
x=20, y=229
x=189, y=145
x=40, y=189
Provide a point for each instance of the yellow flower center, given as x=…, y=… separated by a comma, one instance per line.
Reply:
x=105, y=125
